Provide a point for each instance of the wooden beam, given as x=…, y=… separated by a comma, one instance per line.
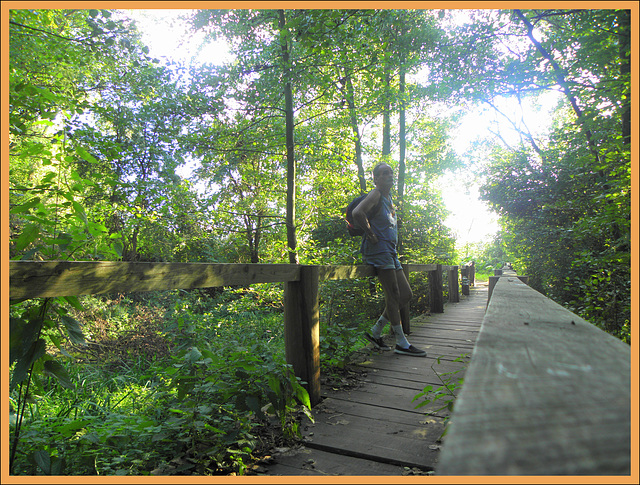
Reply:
x=546, y=393
x=35, y=279
x=464, y=274
x=334, y=272
x=302, y=329
x=452, y=280
x=436, y=300
x=422, y=267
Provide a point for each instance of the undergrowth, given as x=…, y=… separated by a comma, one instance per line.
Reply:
x=173, y=383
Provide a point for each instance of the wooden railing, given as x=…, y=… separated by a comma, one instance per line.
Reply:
x=35, y=279
x=545, y=393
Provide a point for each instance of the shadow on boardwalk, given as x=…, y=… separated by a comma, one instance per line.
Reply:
x=372, y=427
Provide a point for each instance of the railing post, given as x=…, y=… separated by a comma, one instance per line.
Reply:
x=302, y=329
x=454, y=295
x=435, y=290
x=464, y=274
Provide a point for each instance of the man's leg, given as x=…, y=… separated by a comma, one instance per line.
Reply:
x=405, y=297
x=390, y=285
x=397, y=291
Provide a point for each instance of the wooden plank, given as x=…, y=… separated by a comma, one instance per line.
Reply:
x=332, y=272
x=418, y=375
x=421, y=267
x=390, y=397
x=454, y=284
x=36, y=279
x=388, y=378
x=380, y=410
x=305, y=461
x=546, y=393
x=337, y=404
x=392, y=442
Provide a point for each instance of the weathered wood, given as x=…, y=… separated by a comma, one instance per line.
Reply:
x=302, y=329
x=464, y=275
x=452, y=281
x=375, y=422
x=494, y=279
x=546, y=393
x=436, y=300
x=332, y=272
x=36, y=279
x=471, y=274
x=422, y=267
x=303, y=461
x=393, y=443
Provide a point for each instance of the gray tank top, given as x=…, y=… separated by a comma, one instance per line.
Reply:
x=384, y=225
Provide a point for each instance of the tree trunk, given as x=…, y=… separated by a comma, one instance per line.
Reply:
x=291, y=163
x=386, y=114
x=353, y=118
x=401, y=162
x=562, y=82
x=624, y=49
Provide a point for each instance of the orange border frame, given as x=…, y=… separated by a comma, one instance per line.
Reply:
x=4, y=237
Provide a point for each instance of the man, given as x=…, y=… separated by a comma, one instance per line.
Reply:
x=379, y=249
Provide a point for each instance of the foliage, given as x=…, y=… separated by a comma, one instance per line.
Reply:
x=563, y=196
x=446, y=392
x=201, y=394
x=98, y=133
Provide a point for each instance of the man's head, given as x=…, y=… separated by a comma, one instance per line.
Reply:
x=383, y=175
x=380, y=167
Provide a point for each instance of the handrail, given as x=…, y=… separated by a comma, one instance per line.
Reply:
x=545, y=393
x=36, y=279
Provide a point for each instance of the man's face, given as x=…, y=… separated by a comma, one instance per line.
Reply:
x=384, y=177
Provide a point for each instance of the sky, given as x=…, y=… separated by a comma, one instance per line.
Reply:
x=470, y=219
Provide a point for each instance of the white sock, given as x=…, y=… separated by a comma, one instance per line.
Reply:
x=401, y=340
x=377, y=328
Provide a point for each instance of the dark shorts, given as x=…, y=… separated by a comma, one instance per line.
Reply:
x=383, y=261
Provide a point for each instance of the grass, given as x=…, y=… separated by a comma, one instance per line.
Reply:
x=178, y=383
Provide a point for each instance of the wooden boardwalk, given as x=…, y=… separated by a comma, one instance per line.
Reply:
x=372, y=427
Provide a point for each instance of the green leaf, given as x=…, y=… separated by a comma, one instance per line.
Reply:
x=303, y=396
x=23, y=364
x=57, y=465
x=43, y=460
x=194, y=355
x=56, y=369
x=79, y=211
x=253, y=403
x=117, y=247
x=17, y=330
x=85, y=155
x=22, y=208
x=74, y=302
x=29, y=234
x=74, y=330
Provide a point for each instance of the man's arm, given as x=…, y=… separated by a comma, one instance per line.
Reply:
x=360, y=213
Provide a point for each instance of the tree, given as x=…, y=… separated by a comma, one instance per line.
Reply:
x=565, y=199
